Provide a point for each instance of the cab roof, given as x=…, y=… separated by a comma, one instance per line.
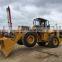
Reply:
x=40, y=19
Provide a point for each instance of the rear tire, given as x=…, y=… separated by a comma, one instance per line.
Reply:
x=54, y=42
x=29, y=39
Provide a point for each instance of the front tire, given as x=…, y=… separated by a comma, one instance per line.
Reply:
x=29, y=39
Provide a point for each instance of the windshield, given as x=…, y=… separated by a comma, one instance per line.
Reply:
x=35, y=22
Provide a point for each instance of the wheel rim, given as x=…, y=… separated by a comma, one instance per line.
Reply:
x=55, y=42
x=30, y=39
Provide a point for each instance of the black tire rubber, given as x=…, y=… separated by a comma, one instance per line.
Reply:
x=26, y=43
x=51, y=43
x=20, y=42
x=41, y=43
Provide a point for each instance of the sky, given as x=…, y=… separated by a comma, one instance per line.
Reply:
x=24, y=11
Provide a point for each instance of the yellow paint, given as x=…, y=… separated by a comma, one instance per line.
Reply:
x=30, y=39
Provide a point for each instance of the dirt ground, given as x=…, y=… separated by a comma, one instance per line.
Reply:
x=35, y=54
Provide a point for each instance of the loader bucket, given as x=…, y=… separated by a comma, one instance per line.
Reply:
x=6, y=45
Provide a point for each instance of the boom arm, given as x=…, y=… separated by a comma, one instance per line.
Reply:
x=9, y=18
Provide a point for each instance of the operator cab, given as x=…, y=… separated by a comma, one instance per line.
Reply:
x=40, y=22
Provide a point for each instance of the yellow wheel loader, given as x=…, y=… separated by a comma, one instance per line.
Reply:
x=41, y=34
